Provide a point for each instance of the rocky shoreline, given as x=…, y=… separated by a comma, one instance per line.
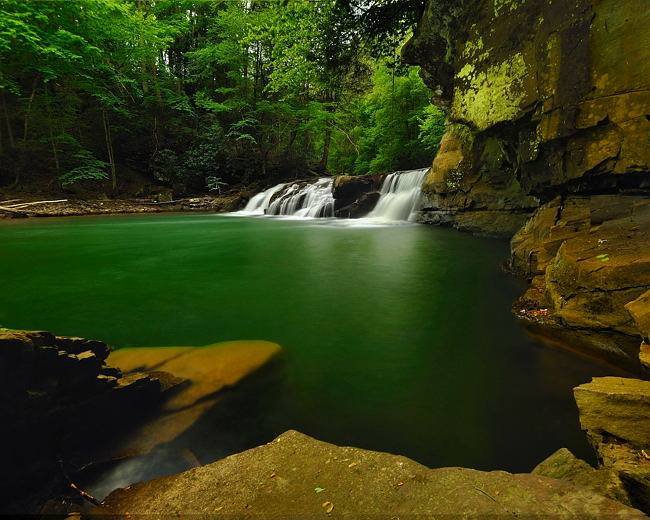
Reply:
x=70, y=407
x=548, y=128
x=81, y=207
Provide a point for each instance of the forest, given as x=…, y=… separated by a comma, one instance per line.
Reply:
x=107, y=96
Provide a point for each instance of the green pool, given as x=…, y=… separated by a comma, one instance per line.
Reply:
x=397, y=338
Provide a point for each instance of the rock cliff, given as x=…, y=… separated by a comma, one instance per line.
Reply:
x=548, y=116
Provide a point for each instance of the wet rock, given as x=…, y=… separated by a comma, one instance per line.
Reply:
x=361, y=207
x=356, y=195
x=56, y=402
x=564, y=465
x=348, y=188
x=615, y=413
x=297, y=476
x=588, y=261
x=192, y=377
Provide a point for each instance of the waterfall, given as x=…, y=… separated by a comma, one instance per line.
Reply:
x=259, y=203
x=301, y=200
x=400, y=196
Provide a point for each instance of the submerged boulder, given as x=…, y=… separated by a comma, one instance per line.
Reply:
x=201, y=373
x=296, y=476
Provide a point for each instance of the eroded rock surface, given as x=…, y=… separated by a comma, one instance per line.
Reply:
x=588, y=259
x=356, y=195
x=58, y=399
x=615, y=413
x=296, y=476
x=548, y=105
x=564, y=465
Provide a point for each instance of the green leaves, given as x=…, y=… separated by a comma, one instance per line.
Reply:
x=89, y=169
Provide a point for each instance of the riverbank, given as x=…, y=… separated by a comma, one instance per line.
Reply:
x=31, y=207
x=73, y=409
x=292, y=475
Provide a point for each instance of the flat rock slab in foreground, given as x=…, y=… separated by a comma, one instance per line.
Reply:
x=296, y=476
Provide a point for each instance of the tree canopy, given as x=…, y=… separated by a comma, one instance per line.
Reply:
x=112, y=94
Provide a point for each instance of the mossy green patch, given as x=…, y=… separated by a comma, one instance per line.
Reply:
x=490, y=96
x=504, y=6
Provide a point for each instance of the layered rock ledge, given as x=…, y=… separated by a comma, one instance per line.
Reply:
x=548, y=116
x=58, y=399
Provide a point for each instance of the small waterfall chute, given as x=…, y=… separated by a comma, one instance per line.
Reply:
x=308, y=200
x=260, y=202
x=400, y=196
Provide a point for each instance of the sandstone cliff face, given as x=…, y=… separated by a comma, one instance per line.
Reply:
x=544, y=97
x=548, y=113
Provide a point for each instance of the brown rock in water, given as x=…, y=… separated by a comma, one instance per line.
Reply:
x=590, y=262
x=296, y=476
x=356, y=195
x=615, y=413
x=348, y=188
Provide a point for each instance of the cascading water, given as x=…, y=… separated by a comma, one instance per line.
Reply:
x=400, y=196
x=300, y=200
x=259, y=203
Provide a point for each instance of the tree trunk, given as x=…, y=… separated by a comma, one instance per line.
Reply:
x=54, y=150
x=23, y=150
x=326, y=147
x=109, y=148
x=10, y=132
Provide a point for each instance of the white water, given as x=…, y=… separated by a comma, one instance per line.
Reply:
x=309, y=201
x=261, y=202
x=400, y=196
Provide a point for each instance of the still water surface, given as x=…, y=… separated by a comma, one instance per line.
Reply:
x=397, y=338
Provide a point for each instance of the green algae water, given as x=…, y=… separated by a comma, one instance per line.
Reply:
x=396, y=338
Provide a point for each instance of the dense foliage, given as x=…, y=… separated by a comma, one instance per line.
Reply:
x=114, y=95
